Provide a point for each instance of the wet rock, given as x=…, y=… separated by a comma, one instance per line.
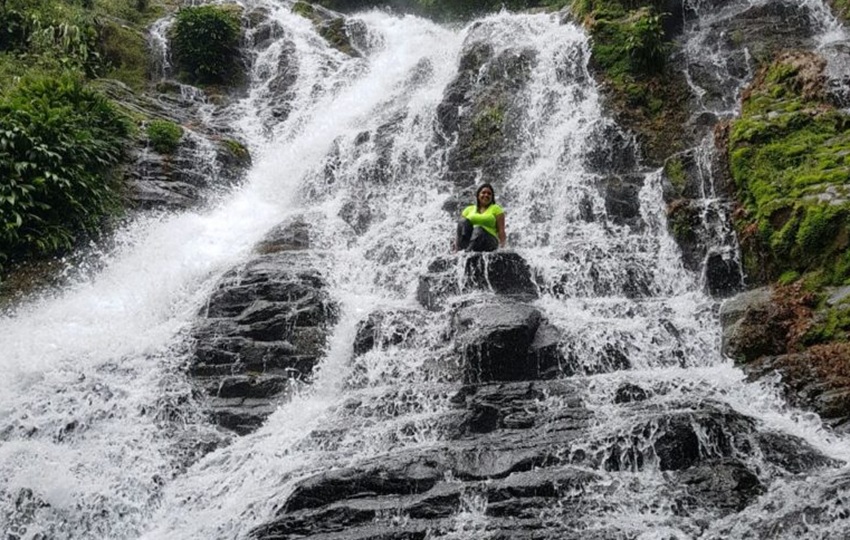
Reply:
x=494, y=338
x=751, y=326
x=622, y=200
x=628, y=393
x=290, y=236
x=385, y=328
x=792, y=453
x=480, y=110
x=725, y=484
x=679, y=440
x=395, y=477
x=261, y=332
x=502, y=272
x=547, y=354
x=722, y=275
x=611, y=151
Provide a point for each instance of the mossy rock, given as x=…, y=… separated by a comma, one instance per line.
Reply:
x=328, y=25
x=841, y=8
x=629, y=50
x=788, y=155
x=234, y=154
x=124, y=51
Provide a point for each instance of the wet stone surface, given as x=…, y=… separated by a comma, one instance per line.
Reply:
x=262, y=331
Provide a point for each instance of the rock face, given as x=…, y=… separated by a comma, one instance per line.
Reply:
x=480, y=112
x=262, y=332
x=762, y=330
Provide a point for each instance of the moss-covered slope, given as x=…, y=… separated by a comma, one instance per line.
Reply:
x=788, y=154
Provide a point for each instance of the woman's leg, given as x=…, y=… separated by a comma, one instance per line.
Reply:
x=464, y=234
x=483, y=241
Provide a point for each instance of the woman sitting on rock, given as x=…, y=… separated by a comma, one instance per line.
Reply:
x=482, y=225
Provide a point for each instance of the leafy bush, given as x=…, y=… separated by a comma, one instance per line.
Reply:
x=645, y=43
x=205, y=42
x=164, y=136
x=58, y=143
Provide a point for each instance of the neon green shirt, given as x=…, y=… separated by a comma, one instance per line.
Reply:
x=486, y=219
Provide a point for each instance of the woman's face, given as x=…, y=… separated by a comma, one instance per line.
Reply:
x=485, y=197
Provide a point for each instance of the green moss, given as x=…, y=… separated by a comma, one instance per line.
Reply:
x=787, y=155
x=788, y=277
x=304, y=9
x=683, y=220
x=237, y=149
x=164, y=136
x=335, y=34
x=487, y=130
x=124, y=53
x=674, y=169
x=629, y=52
x=829, y=324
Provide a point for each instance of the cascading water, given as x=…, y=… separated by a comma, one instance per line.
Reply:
x=101, y=437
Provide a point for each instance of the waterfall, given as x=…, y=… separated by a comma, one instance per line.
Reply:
x=102, y=436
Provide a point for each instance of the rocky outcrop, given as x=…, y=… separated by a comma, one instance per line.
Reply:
x=480, y=112
x=503, y=272
x=775, y=331
x=262, y=331
x=514, y=461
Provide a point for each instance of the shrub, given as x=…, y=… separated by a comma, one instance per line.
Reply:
x=205, y=42
x=164, y=136
x=58, y=143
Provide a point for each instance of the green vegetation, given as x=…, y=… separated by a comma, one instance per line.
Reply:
x=629, y=52
x=205, y=43
x=237, y=150
x=164, y=136
x=59, y=142
x=789, y=158
x=841, y=8
x=487, y=131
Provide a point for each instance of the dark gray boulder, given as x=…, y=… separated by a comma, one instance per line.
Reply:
x=262, y=331
x=725, y=484
x=494, y=338
x=501, y=272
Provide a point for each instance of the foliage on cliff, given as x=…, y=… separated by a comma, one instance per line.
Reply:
x=630, y=47
x=788, y=156
x=205, y=43
x=59, y=143
x=60, y=140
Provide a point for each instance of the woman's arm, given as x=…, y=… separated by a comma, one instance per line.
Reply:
x=500, y=228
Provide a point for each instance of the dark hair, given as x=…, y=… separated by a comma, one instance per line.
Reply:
x=482, y=186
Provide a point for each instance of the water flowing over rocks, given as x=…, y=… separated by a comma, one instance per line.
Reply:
x=509, y=455
x=504, y=273
x=570, y=387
